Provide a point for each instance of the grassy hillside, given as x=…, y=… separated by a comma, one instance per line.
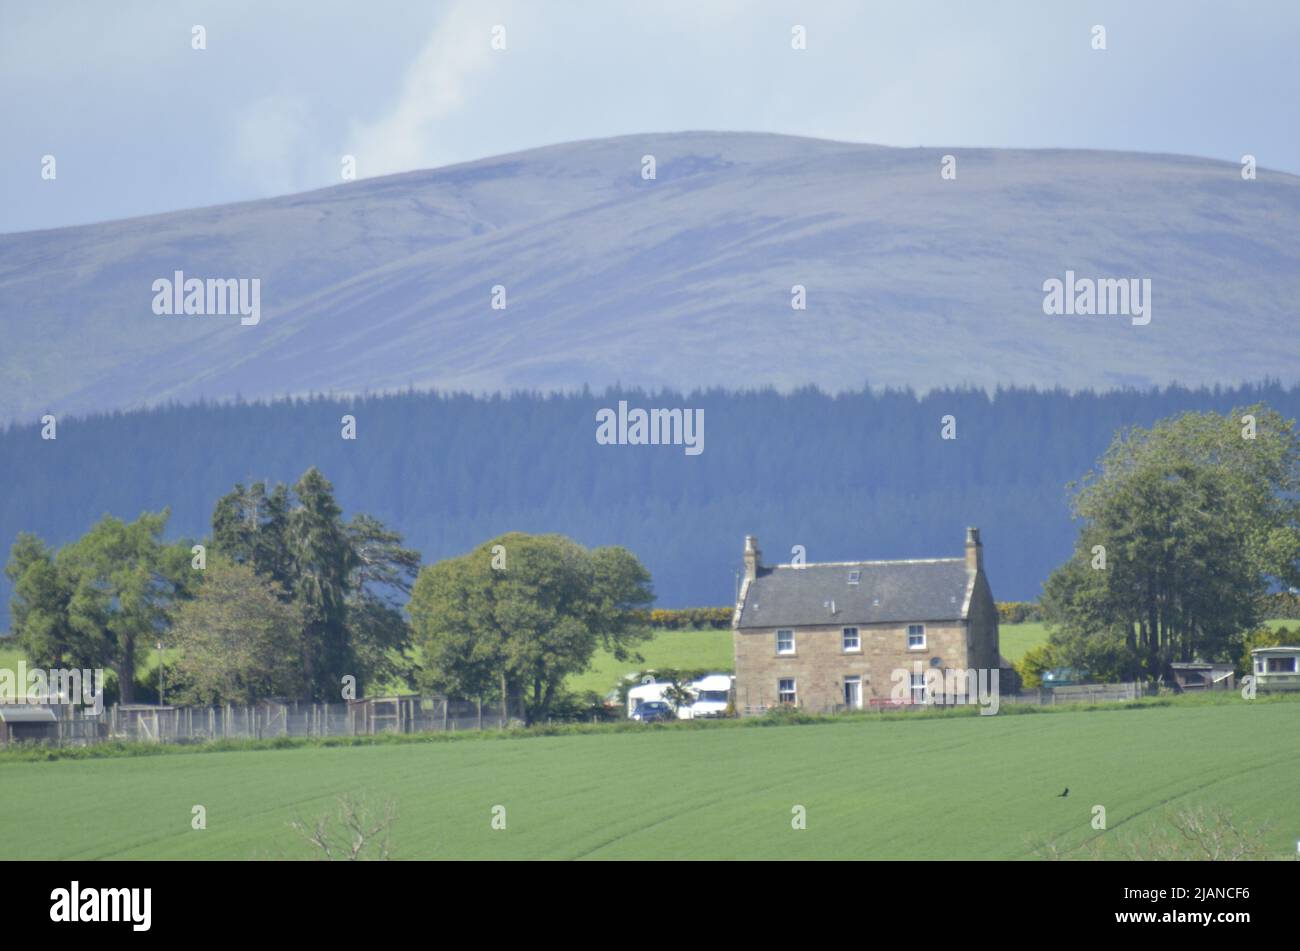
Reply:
x=684, y=650
x=731, y=220
x=974, y=787
x=1016, y=640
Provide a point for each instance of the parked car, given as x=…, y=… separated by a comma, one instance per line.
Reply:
x=653, y=711
x=647, y=693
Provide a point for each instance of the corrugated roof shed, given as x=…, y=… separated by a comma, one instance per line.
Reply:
x=26, y=713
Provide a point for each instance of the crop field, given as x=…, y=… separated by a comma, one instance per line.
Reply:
x=968, y=787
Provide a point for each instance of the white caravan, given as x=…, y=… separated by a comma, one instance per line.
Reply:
x=710, y=694
x=645, y=693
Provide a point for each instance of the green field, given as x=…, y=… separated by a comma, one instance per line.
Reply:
x=970, y=787
x=683, y=650
x=1016, y=640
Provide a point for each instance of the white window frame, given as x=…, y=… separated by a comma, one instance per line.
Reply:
x=793, y=691
x=857, y=640
x=853, y=679
x=920, y=629
x=917, y=684
x=779, y=651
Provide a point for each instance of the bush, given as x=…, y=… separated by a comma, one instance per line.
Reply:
x=1262, y=636
x=1034, y=664
x=1019, y=612
x=673, y=619
x=586, y=707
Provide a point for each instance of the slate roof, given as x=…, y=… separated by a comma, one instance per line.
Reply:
x=887, y=592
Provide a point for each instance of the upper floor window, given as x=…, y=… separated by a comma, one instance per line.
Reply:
x=785, y=642
x=916, y=637
x=851, y=640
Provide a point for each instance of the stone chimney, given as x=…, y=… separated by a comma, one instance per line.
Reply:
x=974, y=550
x=752, y=557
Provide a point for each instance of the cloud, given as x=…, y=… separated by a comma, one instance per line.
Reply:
x=271, y=140
x=433, y=89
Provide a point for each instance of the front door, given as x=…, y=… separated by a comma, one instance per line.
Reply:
x=853, y=693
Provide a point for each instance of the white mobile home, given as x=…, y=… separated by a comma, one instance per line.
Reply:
x=1276, y=668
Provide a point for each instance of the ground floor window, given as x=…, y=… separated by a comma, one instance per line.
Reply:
x=785, y=691
x=1281, y=665
x=918, y=688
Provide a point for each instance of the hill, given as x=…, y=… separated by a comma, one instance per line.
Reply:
x=682, y=281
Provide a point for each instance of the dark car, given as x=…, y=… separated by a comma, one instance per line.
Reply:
x=652, y=711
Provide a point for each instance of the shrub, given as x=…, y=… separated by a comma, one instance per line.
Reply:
x=1034, y=664
x=1019, y=612
x=672, y=619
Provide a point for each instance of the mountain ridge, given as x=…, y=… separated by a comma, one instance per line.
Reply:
x=382, y=284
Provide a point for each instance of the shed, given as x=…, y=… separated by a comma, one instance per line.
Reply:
x=1203, y=675
x=27, y=723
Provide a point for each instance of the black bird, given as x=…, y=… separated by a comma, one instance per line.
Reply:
x=1064, y=794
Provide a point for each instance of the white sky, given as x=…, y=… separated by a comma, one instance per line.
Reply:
x=139, y=122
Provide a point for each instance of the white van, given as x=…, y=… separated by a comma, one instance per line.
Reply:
x=711, y=694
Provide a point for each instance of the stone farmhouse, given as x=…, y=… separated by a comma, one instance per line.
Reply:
x=829, y=636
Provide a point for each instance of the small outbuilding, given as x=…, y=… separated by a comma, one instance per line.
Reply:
x=27, y=723
x=1203, y=675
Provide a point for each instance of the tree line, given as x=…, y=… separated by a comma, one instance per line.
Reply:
x=1188, y=531
x=1182, y=529
x=286, y=599
x=852, y=475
